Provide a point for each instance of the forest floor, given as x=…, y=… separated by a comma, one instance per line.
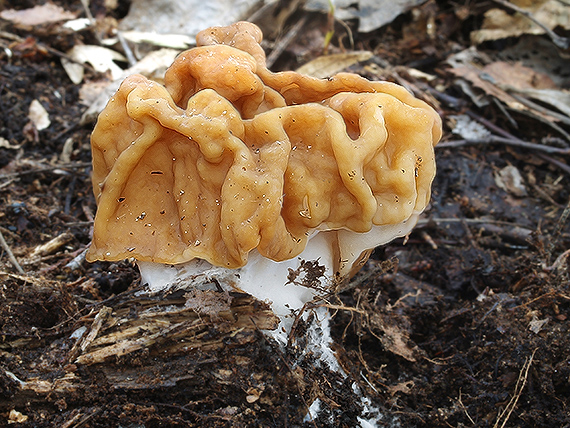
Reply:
x=464, y=324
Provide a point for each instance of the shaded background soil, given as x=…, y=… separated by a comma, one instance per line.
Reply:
x=465, y=324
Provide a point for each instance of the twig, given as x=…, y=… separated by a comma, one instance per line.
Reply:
x=563, y=166
x=46, y=169
x=490, y=125
x=541, y=118
x=561, y=42
x=282, y=43
x=348, y=32
x=127, y=49
x=464, y=408
x=562, y=221
x=51, y=50
x=521, y=382
x=534, y=106
x=11, y=255
x=423, y=222
x=507, y=141
x=558, y=262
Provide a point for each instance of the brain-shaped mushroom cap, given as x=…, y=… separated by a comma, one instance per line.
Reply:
x=229, y=157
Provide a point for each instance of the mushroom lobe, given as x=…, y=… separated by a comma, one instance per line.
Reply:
x=228, y=158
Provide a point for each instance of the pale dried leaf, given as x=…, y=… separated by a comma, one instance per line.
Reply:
x=329, y=65
x=173, y=17
x=90, y=90
x=5, y=144
x=372, y=14
x=100, y=58
x=468, y=128
x=67, y=151
x=153, y=66
x=37, y=15
x=420, y=75
x=16, y=417
x=559, y=99
x=536, y=325
x=77, y=24
x=472, y=74
x=38, y=115
x=74, y=71
x=510, y=180
x=174, y=41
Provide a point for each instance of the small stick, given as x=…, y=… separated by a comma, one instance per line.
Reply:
x=561, y=42
x=563, y=166
x=464, y=408
x=127, y=49
x=562, y=221
x=50, y=168
x=521, y=382
x=51, y=50
x=490, y=125
x=11, y=255
x=507, y=141
x=281, y=44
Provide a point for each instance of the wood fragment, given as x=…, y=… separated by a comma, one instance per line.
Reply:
x=168, y=324
x=52, y=245
x=10, y=255
x=281, y=44
x=504, y=416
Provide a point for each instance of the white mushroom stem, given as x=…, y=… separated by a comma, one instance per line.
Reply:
x=264, y=279
x=289, y=285
x=286, y=285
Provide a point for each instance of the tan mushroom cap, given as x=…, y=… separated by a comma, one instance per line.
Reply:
x=229, y=157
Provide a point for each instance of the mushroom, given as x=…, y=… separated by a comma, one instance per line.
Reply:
x=276, y=184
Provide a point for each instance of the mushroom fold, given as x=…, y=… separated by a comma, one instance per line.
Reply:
x=229, y=158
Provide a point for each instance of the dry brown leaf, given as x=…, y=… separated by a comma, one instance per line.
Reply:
x=396, y=340
x=403, y=387
x=502, y=80
x=500, y=24
x=329, y=65
x=473, y=74
x=37, y=15
x=518, y=76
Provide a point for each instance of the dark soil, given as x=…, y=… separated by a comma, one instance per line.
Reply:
x=465, y=324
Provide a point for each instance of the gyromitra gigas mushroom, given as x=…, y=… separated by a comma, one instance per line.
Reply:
x=277, y=183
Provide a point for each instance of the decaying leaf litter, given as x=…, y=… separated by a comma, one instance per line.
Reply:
x=465, y=323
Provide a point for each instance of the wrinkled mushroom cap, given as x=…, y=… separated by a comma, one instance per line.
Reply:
x=229, y=157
